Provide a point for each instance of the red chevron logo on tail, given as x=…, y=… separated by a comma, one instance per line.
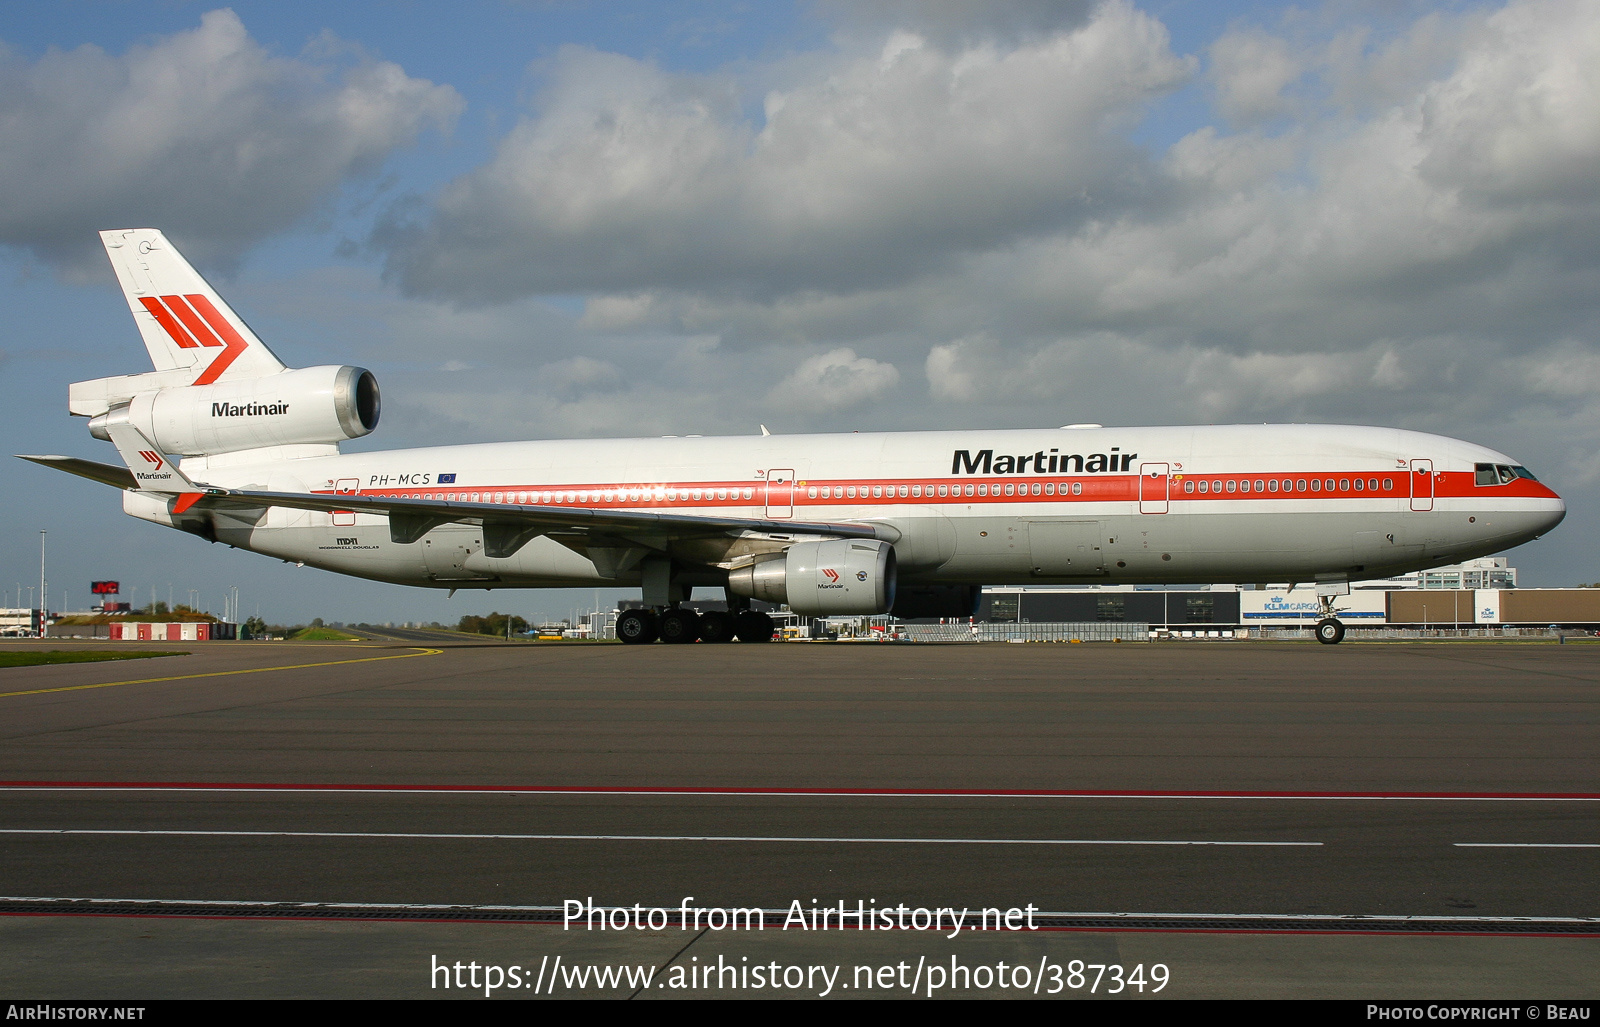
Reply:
x=152, y=457
x=193, y=321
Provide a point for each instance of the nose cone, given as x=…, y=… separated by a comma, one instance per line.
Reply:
x=1553, y=514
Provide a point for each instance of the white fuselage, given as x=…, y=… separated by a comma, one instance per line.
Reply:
x=1106, y=505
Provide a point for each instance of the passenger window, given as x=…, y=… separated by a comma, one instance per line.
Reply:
x=1188, y=486
x=905, y=490
x=969, y=490
x=545, y=498
x=877, y=492
x=1272, y=484
x=916, y=491
x=1260, y=485
x=1244, y=486
x=811, y=493
x=1344, y=484
x=1049, y=488
x=851, y=492
x=1036, y=488
x=983, y=490
x=1372, y=484
x=1011, y=490
x=944, y=490
x=1077, y=488
x=1204, y=487
x=1388, y=484
x=1230, y=486
x=1358, y=485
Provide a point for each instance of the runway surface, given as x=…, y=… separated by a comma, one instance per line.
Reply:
x=1450, y=782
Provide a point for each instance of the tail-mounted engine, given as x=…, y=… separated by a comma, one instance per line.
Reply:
x=313, y=405
x=836, y=577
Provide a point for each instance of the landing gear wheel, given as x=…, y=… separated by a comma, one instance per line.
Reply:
x=680, y=626
x=1330, y=631
x=636, y=627
x=716, y=626
x=753, y=626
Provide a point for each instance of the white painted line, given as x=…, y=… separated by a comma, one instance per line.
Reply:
x=492, y=908
x=762, y=793
x=631, y=837
x=1527, y=845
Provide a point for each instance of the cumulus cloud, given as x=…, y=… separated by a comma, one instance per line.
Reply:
x=203, y=133
x=1250, y=71
x=876, y=168
x=835, y=380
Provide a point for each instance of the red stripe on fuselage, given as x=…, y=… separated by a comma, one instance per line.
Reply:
x=1109, y=488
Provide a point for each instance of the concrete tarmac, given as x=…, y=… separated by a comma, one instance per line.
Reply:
x=1402, y=780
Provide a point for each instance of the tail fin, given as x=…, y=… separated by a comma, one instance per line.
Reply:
x=185, y=324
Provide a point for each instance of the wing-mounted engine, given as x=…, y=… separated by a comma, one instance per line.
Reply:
x=829, y=578
x=312, y=405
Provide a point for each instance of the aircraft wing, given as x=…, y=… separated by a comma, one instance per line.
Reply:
x=506, y=527
x=106, y=474
x=563, y=519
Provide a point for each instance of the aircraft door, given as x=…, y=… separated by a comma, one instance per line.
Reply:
x=1065, y=548
x=1422, y=485
x=1153, y=483
x=346, y=487
x=780, y=492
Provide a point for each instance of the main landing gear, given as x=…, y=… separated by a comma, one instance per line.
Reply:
x=678, y=624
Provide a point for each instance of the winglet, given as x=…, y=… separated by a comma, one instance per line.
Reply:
x=153, y=470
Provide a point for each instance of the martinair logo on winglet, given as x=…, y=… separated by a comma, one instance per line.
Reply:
x=191, y=321
x=154, y=459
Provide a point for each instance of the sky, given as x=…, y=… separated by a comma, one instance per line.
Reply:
x=573, y=220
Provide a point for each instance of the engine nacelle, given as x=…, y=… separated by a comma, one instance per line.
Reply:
x=313, y=405
x=831, y=578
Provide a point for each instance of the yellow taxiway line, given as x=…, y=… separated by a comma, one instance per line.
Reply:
x=223, y=673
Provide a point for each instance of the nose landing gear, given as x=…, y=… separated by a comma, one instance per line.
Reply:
x=1330, y=631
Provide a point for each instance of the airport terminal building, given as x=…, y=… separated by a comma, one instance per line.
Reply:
x=1477, y=593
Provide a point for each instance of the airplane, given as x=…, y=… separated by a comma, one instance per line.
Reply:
x=905, y=523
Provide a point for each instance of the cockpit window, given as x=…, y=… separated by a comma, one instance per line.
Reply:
x=1501, y=474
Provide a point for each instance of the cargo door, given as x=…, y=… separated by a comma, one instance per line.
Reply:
x=1422, y=485
x=780, y=492
x=445, y=552
x=1065, y=548
x=1153, y=483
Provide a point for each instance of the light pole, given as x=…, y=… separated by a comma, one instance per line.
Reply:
x=44, y=600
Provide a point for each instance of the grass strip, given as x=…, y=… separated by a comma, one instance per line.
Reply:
x=12, y=658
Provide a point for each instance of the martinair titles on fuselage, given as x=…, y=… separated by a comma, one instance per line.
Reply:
x=1053, y=462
